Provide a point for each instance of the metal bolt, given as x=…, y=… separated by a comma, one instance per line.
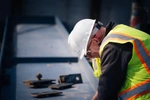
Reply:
x=39, y=76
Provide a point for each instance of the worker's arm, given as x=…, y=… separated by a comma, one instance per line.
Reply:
x=114, y=61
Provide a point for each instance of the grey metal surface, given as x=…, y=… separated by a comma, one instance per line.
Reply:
x=18, y=91
x=46, y=41
x=41, y=40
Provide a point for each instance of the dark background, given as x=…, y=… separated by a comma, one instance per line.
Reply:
x=71, y=11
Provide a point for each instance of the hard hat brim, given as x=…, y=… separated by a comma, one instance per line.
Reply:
x=90, y=33
x=76, y=41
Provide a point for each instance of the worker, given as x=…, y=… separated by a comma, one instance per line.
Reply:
x=124, y=54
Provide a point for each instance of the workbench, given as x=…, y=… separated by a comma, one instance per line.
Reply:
x=38, y=44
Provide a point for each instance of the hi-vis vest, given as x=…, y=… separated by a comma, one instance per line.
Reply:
x=96, y=64
x=137, y=83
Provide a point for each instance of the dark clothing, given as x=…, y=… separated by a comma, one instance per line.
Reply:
x=114, y=62
x=109, y=27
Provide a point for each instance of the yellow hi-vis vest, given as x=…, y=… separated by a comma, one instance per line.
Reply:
x=137, y=83
x=96, y=64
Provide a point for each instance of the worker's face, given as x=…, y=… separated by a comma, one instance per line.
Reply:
x=94, y=43
x=93, y=49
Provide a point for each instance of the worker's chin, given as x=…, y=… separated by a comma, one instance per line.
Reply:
x=90, y=57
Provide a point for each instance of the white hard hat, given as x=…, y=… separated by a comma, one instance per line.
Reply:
x=80, y=35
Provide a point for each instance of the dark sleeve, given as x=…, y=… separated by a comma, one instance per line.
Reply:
x=114, y=61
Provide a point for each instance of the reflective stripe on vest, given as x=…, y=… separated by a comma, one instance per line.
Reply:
x=136, y=91
x=144, y=56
